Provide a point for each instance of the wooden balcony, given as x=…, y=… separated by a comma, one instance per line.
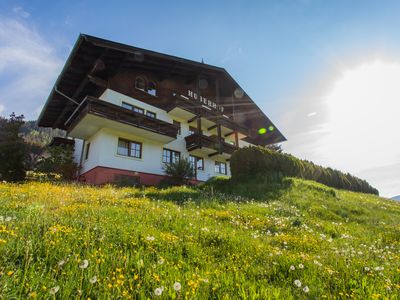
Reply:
x=209, y=145
x=93, y=114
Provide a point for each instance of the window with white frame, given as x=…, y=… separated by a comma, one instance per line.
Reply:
x=170, y=156
x=220, y=167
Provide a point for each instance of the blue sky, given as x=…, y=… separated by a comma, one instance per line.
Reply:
x=287, y=55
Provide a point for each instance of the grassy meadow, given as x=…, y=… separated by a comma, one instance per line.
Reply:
x=296, y=240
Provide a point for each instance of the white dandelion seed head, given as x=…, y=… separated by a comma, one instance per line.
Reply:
x=306, y=289
x=84, y=264
x=158, y=291
x=297, y=283
x=292, y=268
x=177, y=286
x=367, y=269
x=150, y=238
x=160, y=261
x=61, y=263
x=301, y=266
x=93, y=280
x=54, y=290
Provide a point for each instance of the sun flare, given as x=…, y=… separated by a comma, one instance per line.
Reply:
x=364, y=111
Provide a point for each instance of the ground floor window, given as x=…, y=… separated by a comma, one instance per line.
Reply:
x=220, y=167
x=196, y=162
x=129, y=148
x=170, y=156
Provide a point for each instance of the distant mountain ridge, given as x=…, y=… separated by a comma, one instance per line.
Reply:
x=396, y=197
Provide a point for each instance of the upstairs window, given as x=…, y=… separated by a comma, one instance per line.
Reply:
x=138, y=110
x=192, y=130
x=127, y=106
x=220, y=167
x=140, y=83
x=170, y=156
x=129, y=148
x=151, y=88
x=151, y=114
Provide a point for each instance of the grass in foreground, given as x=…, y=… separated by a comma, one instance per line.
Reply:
x=301, y=240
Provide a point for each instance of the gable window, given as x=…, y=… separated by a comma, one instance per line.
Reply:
x=151, y=88
x=140, y=83
x=196, y=162
x=151, y=114
x=170, y=156
x=127, y=106
x=129, y=148
x=220, y=167
x=138, y=110
x=178, y=124
x=87, y=151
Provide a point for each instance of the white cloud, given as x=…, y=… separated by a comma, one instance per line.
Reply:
x=21, y=12
x=28, y=67
x=356, y=128
x=2, y=108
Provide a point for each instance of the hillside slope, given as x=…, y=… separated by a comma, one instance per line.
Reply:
x=298, y=240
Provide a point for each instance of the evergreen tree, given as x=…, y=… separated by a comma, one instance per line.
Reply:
x=12, y=149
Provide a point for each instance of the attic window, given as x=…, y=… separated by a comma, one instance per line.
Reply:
x=140, y=83
x=151, y=88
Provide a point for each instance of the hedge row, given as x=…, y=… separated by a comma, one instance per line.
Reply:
x=250, y=162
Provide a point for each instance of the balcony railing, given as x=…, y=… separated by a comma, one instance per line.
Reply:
x=197, y=141
x=97, y=107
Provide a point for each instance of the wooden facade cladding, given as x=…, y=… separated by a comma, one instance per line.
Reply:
x=198, y=141
x=97, y=107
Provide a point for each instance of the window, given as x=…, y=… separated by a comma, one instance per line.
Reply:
x=140, y=83
x=196, y=162
x=192, y=130
x=170, y=156
x=220, y=167
x=129, y=148
x=151, y=114
x=178, y=124
x=87, y=151
x=138, y=110
x=151, y=88
x=127, y=106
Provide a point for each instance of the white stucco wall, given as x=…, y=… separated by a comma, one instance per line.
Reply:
x=103, y=145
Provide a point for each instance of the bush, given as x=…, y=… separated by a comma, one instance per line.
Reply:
x=251, y=162
x=180, y=172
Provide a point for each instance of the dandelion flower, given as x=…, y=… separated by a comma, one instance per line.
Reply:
x=84, y=264
x=177, y=286
x=301, y=266
x=158, y=291
x=61, y=263
x=306, y=289
x=297, y=283
x=150, y=238
x=93, y=280
x=292, y=268
x=54, y=290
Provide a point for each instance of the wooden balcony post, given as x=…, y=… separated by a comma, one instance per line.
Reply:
x=199, y=125
x=236, y=138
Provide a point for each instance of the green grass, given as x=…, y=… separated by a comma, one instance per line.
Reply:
x=220, y=241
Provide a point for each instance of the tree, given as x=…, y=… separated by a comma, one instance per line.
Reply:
x=179, y=171
x=60, y=160
x=12, y=149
